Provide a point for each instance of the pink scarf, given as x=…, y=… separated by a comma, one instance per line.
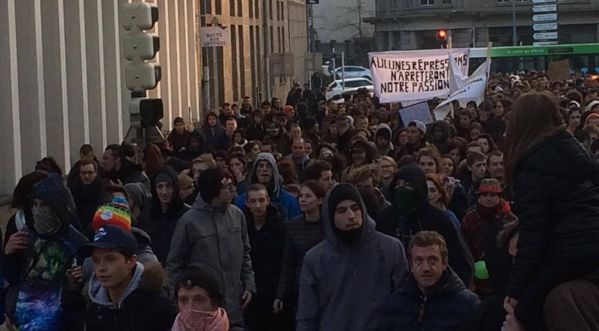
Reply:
x=196, y=320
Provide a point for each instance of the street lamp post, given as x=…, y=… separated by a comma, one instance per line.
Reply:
x=514, y=32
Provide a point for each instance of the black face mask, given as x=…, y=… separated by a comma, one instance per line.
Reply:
x=348, y=237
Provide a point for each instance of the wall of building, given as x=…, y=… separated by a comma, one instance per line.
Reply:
x=65, y=73
x=405, y=24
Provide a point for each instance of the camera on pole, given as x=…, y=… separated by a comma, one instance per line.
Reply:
x=140, y=46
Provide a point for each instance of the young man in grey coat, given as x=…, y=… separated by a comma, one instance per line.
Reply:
x=347, y=277
x=214, y=232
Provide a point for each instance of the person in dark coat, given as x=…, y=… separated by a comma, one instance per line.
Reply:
x=214, y=134
x=266, y=230
x=179, y=136
x=125, y=295
x=195, y=147
x=480, y=228
x=433, y=297
x=256, y=130
x=556, y=197
x=160, y=220
x=40, y=246
x=345, y=278
x=302, y=234
x=88, y=190
x=118, y=168
x=440, y=136
x=410, y=212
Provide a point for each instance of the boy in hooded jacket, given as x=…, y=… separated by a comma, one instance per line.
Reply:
x=265, y=172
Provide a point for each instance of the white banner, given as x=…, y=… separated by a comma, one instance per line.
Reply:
x=474, y=87
x=415, y=75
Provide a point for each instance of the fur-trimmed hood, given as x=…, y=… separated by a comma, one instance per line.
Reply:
x=147, y=278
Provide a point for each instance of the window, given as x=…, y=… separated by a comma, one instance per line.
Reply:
x=427, y=2
x=232, y=7
x=239, y=8
x=257, y=8
x=219, y=7
x=270, y=9
x=447, y=2
x=251, y=7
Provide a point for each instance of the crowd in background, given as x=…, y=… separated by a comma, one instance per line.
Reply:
x=311, y=214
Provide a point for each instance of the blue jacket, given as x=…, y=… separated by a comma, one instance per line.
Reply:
x=447, y=306
x=286, y=203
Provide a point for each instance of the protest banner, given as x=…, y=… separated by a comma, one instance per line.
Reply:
x=419, y=112
x=415, y=75
x=474, y=87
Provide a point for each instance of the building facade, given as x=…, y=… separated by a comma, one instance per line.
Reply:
x=412, y=24
x=339, y=26
x=258, y=29
x=64, y=80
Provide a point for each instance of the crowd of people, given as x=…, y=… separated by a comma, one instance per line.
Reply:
x=332, y=215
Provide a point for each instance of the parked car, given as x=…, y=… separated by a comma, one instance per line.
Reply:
x=353, y=72
x=335, y=89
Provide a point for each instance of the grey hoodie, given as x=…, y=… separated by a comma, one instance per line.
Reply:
x=99, y=295
x=342, y=286
x=384, y=130
x=218, y=238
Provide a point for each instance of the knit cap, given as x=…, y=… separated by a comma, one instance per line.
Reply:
x=116, y=212
x=489, y=185
x=340, y=193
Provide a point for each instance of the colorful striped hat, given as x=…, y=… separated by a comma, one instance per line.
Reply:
x=116, y=212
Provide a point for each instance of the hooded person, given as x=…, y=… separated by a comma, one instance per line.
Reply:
x=214, y=232
x=195, y=147
x=256, y=130
x=382, y=140
x=410, y=212
x=440, y=135
x=265, y=172
x=215, y=135
x=345, y=278
x=161, y=218
x=36, y=273
x=200, y=315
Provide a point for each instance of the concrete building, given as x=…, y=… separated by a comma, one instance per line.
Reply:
x=258, y=30
x=340, y=25
x=412, y=24
x=64, y=78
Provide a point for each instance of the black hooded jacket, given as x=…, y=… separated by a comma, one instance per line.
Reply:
x=404, y=224
x=556, y=189
x=447, y=306
x=161, y=225
x=267, y=252
x=441, y=143
x=88, y=197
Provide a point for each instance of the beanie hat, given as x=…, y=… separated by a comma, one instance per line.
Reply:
x=419, y=125
x=340, y=193
x=210, y=183
x=162, y=177
x=204, y=276
x=116, y=212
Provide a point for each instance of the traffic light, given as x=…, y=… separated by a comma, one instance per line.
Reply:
x=441, y=36
x=139, y=46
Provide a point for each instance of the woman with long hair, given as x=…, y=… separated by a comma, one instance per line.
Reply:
x=556, y=198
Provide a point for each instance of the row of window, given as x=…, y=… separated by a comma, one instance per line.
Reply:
x=445, y=2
